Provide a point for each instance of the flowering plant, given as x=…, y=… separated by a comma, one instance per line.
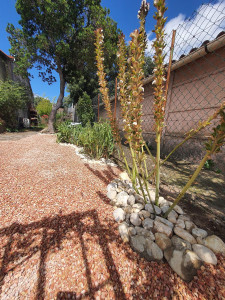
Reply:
x=131, y=96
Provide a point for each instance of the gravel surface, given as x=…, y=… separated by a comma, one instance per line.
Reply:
x=58, y=239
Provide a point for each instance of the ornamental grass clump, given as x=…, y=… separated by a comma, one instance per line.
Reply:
x=131, y=96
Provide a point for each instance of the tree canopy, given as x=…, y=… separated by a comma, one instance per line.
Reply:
x=59, y=35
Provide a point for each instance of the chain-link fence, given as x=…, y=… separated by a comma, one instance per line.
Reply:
x=196, y=91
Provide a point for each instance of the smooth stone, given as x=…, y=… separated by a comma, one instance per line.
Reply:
x=180, y=244
x=153, y=252
x=139, y=199
x=172, y=217
x=162, y=241
x=132, y=230
x=214, y=243
x=138, y=206
x=164, y=221
x=137, y=243
x=113, y=202
x=191, y=264
x=205, y=254
x=119, y=215
x=164, y=208
x=189, y=225
x=128, y=209
x=168, y=203
x=111, y=186
x=122, y=198
x=123, y=230
x=131, y=200
x=160, y=227
x=131, y=192
x=185, y=217
x=197, y=232
x=178, y=209
x=180, y=223
x=149, y=208
x=152, y=195
x=124, y=176
x=134, y=219
x=184, y=235
x=146, y=233
x=200, y=240
x=162, y=201
x=127, y=219
x=143, y=214
x=111, y=194
x=148, y=223
x=185, y=263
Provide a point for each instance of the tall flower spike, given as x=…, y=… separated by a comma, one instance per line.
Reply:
x=103, y=84
x=144, y=9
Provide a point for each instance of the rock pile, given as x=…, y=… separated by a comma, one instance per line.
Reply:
x=175, y=239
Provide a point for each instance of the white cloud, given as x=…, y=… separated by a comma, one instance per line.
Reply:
x=206, y=24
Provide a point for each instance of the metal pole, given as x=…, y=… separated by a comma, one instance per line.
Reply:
x=115, y=98
x=170, y=63
x=98, y=107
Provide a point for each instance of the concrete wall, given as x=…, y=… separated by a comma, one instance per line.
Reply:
x=196, y=90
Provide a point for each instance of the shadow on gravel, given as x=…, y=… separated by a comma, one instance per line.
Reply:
x=105, y=176
x=147, y=280
x=22, y=244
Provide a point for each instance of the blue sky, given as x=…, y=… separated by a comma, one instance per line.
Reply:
x=124, y=12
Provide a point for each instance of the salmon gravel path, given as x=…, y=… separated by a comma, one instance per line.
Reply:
x=58, y=239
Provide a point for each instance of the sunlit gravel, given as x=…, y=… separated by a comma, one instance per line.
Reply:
x=58, y=239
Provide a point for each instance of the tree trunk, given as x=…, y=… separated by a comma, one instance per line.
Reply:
x=58, y=104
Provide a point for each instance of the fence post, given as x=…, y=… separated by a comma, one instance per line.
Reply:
x=115, y=98
x=167, y=108
x=169, y=85
x=98, y=107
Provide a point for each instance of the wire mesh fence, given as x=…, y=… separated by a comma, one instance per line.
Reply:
x=196, y=90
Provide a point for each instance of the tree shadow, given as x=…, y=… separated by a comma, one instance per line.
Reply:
x=45, y=236
x=105, y=176
x=48, y=234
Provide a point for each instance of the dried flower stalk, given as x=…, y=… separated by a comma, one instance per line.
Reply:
x=158, y=82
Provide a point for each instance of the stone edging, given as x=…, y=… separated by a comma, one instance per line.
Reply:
x=175, y=239
x=87, y=159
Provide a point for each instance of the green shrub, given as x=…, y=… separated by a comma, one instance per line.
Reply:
x=44, y=107
x=85, y=110
x=64, y=134
x=97, y=140
x=13, y=97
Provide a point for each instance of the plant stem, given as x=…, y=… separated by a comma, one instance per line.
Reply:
x=149, y=152
x=158, y=136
